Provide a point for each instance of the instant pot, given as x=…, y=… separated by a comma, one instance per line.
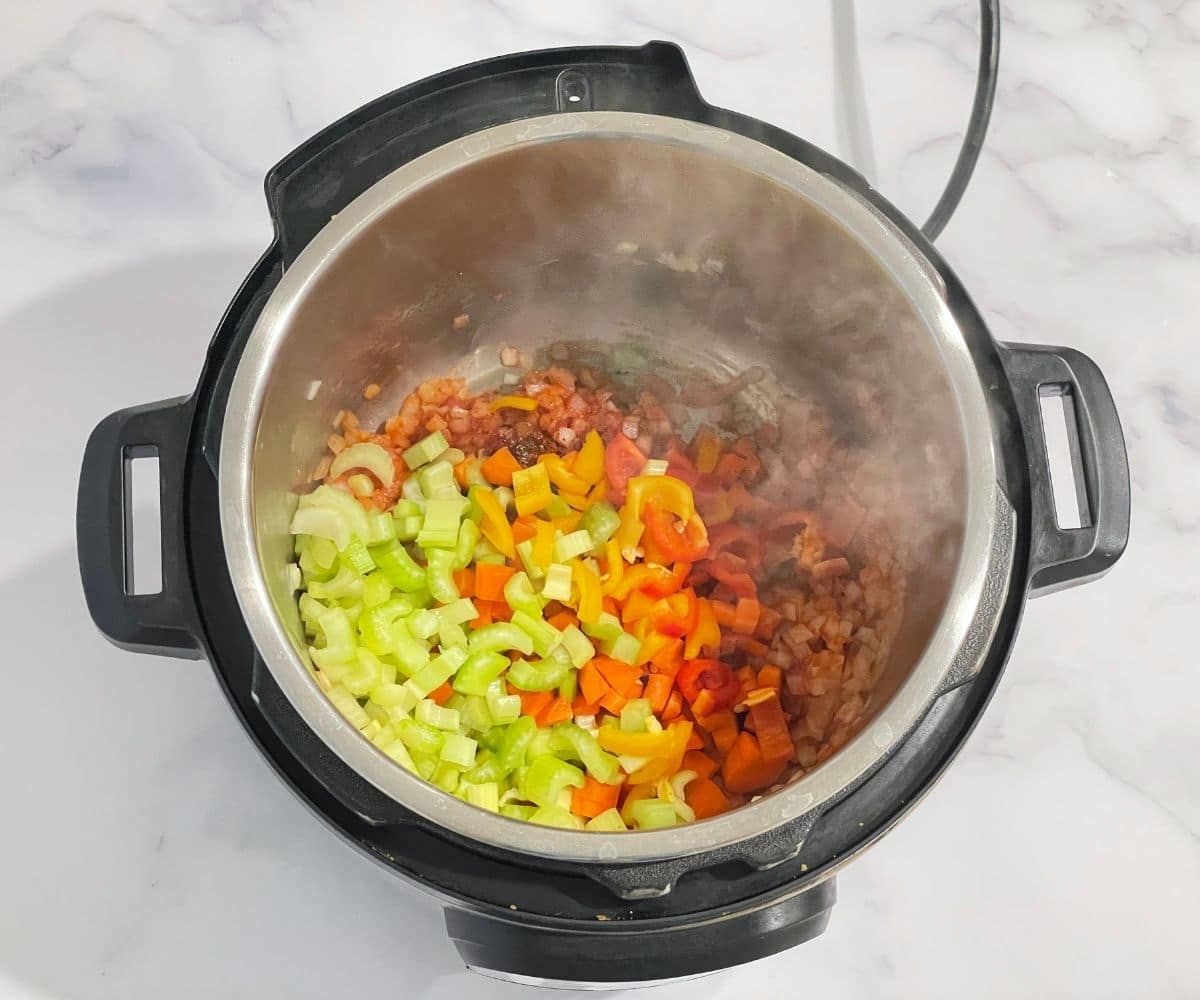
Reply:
x=589, y=202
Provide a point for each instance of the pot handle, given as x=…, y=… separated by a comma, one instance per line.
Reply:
x=1065, y=557
x=160, y=623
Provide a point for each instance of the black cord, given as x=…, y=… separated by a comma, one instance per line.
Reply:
x=981, y=113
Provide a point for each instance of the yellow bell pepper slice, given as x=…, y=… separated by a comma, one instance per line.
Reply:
x=630, y=744
x=665, y=765
x=599, y=491
x=532, y=489
x=589, y=463
x=561, y=476
x=591, y=598
x=666, y=492
x=513, y=403
x=576, y=501
x=494, y=526
x=543, y=544
x=616, y=565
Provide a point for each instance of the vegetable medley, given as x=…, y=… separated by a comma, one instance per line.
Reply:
x=518, y=603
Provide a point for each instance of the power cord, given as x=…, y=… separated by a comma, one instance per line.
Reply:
x=977, y=124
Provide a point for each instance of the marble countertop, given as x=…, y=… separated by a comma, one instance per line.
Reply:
x=145, y=849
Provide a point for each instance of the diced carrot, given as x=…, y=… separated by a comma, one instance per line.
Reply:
x=441, y=694
x=745, y=770
x=524, y=528
x=695, y=741
x=594, y=798
x=704, y=703
x=581, y=706
x=559, y=710
x=464, y=580
x=723, y=739
x=460, y=471
x=770, y=677
x=705, y=798
x=658, y=690
x=771, y=727
x=532, y=702
x=725, y=613
x=622, y=677
x=674, y=707
x=485, y=614
x=501, y=612
x=701, y=763
x=745, y=617
x=592, y=686
x=498, y=468
x=614, y=701
x=563, y=619
x=490, y=579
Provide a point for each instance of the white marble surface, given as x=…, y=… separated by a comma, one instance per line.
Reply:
x=147, y=852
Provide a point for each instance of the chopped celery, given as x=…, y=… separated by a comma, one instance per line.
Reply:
x=604, y=628
x=517, y=738
x=558, y=581
x=485, y=795
x=635, y=715
x=577, y=543
x=439, y=530
x=500, y=636
x=322, y=522
x=440, y=576
x=525, y=551
x=426, y=764
x=557, y=507
x=347, y=583
x=407, y=528
x=503, y=708
x=464, y=548
x=608, y=821
x=308, y=563
x=331, y=498
x=476, y=718
x=377, y=588
x=411, y=654
x=423, y=623
x=411, y=491
x=479, y=670
x=451, y=634
x=655, y=467
x=438, y=670
x=570, y=686
x=458, y=612
x=381, y=528
x=487, y=768
x=557, y=816
x=518, y=593
x=399, y=753
x=338, y=632
x=435, y=715
x=405, y=508
x=426, y=450
x=420, y=737
x=543, y=635
x=437, y=480
x=624, y=647
x=653, y=814
x=393, y=695
x=348, y=705
x=577, y=646
x=601, y=522
x=547, y=776
x=357, y=557
x=492, y=738
x=399, y=567
x=447, y=776
x=539, y=675
x=514, y=810
x=458, y=750
x=585, y=748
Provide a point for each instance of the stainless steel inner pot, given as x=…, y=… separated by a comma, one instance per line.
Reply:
x=663, y=244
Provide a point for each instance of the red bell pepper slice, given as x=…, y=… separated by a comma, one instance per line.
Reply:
x=712, y=676
x=686, y=546
x=622, y=461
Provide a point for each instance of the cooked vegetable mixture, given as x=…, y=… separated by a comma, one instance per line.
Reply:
x=555, y=609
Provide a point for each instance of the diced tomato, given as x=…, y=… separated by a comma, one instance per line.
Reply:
x=622, y=461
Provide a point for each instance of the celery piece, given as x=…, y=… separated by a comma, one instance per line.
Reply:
x=539, y=675
x=381, y=528
x=331, y=498
x=322, y=522
x=655, y=467
x=635, y=715
x=585, y=748
x=423, y=623
x=492, y=738
x=517, y=738
x=399, y=753
x=480, y=669
x=324, y=552
x=653, y=814
x=457, y=612
x=438, y=670
x=558, y=582
x=546, y=777
x=500, y=636
x=399, y=567
x=339, y=634
x=391, y=695
x=420, y=598
x=577, y=646
x=519, y=594
x=516, y=811
x=570, y=686
x=405, y=508
x=411, y=491
x=309, y=569
x=357, y=557
x=604, y=628
x=543, y=635
x=435, y=715
x=556, y=816
x=334, y=663
x=624, y=647
x=503, y=708
x=439, y=529
x=525, y=551
x=577, y=543
x=447, y=776
x=557, y=507
x=426, y=764
x=464, y=547
x=437, y=480
x=407, y=528
x=487, y=768
x=458, y=750
x=420, y=737
x=484, y=796
x=426, y=450
x=440, y=576
x=601, y=522
x=451, y=634
x=476, y=718
x=349, y=707
x=411, y=654
x=545, y=742
x=608, y=821
x=365, y=455
x=346, y=583
x=377, y=588
x=367, y=673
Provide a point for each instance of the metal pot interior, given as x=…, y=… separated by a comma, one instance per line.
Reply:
x=651, y=249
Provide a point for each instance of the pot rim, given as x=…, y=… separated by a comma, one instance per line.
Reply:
x=975, y=572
